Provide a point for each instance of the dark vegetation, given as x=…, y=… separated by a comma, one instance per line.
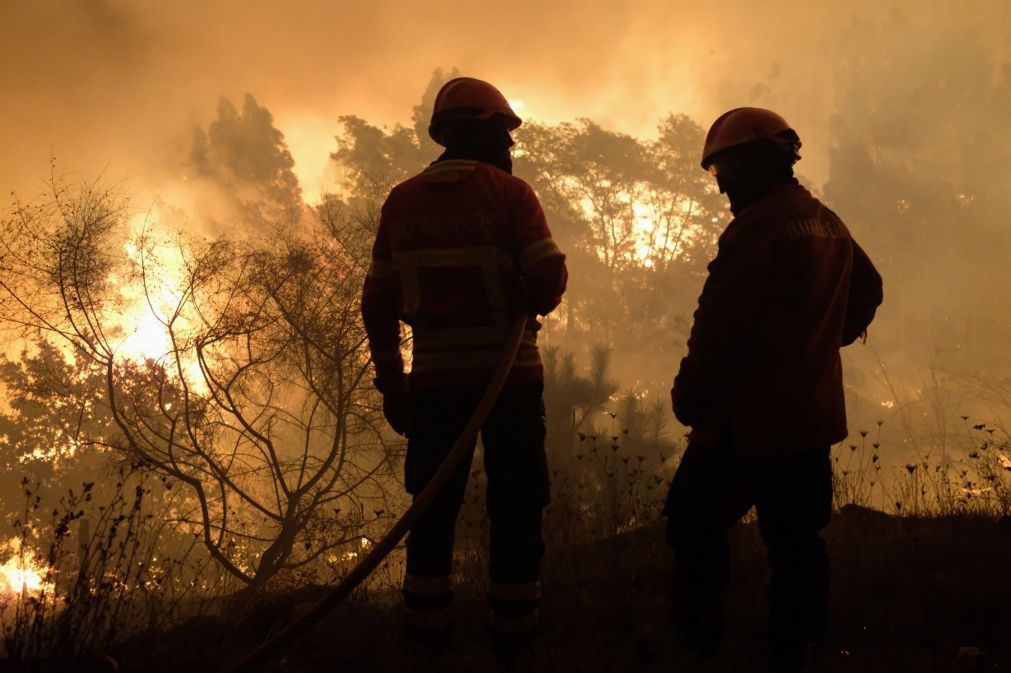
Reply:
x=180, y=499
x=908, y=594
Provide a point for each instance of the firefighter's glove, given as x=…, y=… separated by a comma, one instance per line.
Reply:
x=397, y=405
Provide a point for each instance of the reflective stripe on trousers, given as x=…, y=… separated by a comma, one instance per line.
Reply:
x=514, y=607
x=427, y=602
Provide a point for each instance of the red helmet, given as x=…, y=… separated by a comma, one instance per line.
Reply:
x=748, y=124
x=468, y=98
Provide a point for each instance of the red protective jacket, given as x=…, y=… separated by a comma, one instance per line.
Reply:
x=788, y=288
x=461, y=249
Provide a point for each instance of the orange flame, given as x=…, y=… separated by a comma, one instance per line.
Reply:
x=23, y=571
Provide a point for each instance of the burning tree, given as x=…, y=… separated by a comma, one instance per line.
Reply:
x=637, y=217
x=236, y=371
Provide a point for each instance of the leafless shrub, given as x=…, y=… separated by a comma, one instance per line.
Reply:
x=237, y=371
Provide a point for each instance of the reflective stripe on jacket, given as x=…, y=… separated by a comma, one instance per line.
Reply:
x=462, y=248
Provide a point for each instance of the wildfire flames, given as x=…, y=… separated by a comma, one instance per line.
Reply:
x=148, y=308
x=23, y=571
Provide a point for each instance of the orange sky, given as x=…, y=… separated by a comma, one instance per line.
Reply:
x=118, y=86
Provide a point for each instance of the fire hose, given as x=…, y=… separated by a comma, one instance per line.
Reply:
x=381, y=549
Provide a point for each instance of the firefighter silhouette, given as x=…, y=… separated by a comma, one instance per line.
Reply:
x=761, y=387
x=462, y=248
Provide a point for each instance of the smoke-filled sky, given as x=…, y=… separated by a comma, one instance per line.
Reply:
x=117, y=86
x=904, y=109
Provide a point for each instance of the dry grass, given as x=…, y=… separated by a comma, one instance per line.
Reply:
x=908, y=591
x=907, y=594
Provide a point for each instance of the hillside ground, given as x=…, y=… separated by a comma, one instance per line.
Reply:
x=908, y=594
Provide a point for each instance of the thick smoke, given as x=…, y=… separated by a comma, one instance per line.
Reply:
x=904, y=112
x=118, y=84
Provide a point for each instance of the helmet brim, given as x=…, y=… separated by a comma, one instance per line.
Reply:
x=442, y=121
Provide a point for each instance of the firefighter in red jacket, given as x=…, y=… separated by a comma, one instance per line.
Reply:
x=461, y=250
x=761, y=386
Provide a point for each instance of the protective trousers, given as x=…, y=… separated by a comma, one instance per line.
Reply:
x=516, y=466
x=712, y=489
